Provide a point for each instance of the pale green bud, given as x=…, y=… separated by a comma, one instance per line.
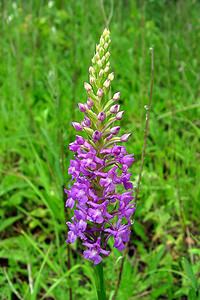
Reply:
x=97, y=57
x=91, y=70
x=106, y=70
x=106, y=32
x=99, y=63
x=98, y=48
x=106, y=46
x=101, y=73
x=111, y=76
x=107, y=39
x=101, y=51
x=87, y=87
x=102, y=41
x=88, y=130
x=92, y=79
x=107, y=55
x=103, y=59
x=107, y=83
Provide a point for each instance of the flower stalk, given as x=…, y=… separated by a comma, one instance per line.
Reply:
x=101, y=193
x=99, y=279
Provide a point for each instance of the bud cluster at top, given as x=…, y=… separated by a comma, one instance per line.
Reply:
x=101, y=193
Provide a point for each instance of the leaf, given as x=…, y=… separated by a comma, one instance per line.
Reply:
x=7, y=222
x=11, y=182
x=139, y=229
x=187, y=267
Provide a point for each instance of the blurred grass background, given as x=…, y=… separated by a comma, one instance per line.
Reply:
x=45, y=52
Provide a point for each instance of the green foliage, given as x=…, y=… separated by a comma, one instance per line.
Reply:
x=45, y=52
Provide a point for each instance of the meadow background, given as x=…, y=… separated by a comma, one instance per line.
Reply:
x=45, y=52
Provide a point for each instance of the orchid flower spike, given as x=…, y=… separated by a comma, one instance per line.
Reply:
x=101, y=195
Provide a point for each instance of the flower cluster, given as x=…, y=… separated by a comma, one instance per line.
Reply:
x=101, y=194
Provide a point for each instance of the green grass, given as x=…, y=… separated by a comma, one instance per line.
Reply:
x=45, y=52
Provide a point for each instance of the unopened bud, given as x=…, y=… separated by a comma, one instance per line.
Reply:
x=103, y=60
x=92, y=79
x=98, y=48
x=119, y=115
x=96, y=135
x=115, y=108
x=77, y=126
x=82, y=107
x=107, y=39
x=101, y=51
x=87, y=87
x=115, y=130
x=100, y=93
x=107, y=55
x=116, y=96
x=106, y=83
x=86, y=122
x=101, y=116
x=101, y=41
x=106, y=32
x=99, y=63
x=106, y=46
x=125, y=137
x=97, y=57
x=111, y=76
x=106, y=70
x=109, y=137
x=91, y=70
x=100, y=73
x=90, y=103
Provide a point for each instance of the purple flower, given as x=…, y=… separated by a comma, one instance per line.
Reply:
x=74, y=168
x=101, y=192
x=121, y=235
x=94, y=251
x=127, y=160
x=76, y=230
x=95, y=215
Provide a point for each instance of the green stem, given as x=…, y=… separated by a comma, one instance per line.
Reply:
x=99, y=279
